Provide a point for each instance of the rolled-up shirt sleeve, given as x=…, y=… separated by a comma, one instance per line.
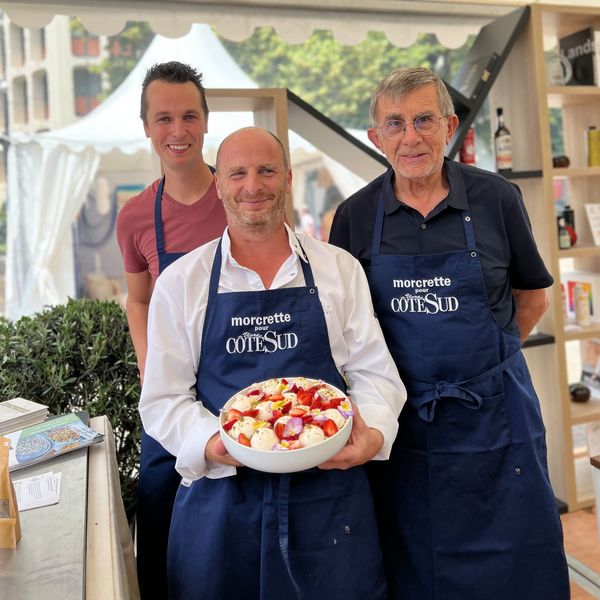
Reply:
x=168, y=407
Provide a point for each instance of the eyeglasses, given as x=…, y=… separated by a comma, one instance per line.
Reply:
x=424, y=125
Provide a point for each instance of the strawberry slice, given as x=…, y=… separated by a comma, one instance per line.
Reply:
x=286, y=407
x=255, y=392
x=284, y=381
x=317, y=403
x=233, y=414
x=275, y=397
x=279, y=427
x=244, y=440
x=276, y=414
x=304, y=397
x=227, y=426
x=330, y=428
x=297, y=412
x=250, y=413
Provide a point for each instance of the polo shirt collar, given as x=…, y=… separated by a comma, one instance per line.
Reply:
x=454, y=200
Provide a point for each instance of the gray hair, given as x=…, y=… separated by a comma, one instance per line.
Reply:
x=407, y=79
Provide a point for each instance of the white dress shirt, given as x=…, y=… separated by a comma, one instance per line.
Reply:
x=168, y=406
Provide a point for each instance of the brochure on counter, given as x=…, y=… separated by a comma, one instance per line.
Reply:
x=18, y=413
x=44, y=441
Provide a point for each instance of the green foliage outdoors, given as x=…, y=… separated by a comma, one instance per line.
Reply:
x=73, y=357
x=127, y=47
x=337, y=80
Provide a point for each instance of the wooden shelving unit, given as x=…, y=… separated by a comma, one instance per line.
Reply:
x=527, y=115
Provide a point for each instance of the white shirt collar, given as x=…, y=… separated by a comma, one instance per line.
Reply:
x=292, y=239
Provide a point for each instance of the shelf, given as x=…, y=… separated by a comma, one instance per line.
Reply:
x=538, y=339
x=570, y=95
x=580, y=251
x=583, y=333
x=524, y=174
x=585, y=412
x=576, y=171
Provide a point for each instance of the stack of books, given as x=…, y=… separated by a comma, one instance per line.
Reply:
x=19, y=413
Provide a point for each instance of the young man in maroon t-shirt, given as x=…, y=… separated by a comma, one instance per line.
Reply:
x=176, y=214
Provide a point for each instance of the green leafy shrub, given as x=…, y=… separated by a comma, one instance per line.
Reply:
x=78, y=356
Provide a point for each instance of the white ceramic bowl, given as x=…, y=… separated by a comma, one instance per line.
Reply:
x=286, y=461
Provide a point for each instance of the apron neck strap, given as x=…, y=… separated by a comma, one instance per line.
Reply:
x=215, y=271
x=158, y=224
x=458, y=189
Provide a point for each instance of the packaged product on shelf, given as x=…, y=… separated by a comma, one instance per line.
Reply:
x=589, y=286
x=583, y=316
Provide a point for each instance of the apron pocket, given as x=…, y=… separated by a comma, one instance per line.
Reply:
x=317, y=510
x=479, y=472
x=469, y=429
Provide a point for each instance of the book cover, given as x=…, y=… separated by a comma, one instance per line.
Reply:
x=579, y=49
x=46, y=440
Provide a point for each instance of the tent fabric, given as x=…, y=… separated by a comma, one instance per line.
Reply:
x=400, y=20
x=49, y=174
x=46, y=187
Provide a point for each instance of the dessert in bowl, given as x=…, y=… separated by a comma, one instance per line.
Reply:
x=284, y=425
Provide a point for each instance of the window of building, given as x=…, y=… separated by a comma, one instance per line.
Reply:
x=87, y=87
x=40, y=96
x=37, y=41
x=17, y=46
x=20, y=108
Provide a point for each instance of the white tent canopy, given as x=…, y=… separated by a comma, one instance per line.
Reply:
x=49, y=174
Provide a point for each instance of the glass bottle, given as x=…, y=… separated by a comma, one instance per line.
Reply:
x=503, y=145
x=564, y=239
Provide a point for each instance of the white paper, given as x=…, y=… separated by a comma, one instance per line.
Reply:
x=593, y=215
x=41, y=490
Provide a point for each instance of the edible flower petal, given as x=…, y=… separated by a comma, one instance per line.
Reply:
x=346, y=408
x=293, y=427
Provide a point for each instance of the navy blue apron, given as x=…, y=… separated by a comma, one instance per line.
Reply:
x=158, y=480
x=309, y=535
x=465, y=507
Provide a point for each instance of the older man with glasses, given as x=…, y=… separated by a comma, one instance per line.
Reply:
x=465, y=506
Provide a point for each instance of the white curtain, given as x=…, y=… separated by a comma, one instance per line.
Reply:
x=49, y=186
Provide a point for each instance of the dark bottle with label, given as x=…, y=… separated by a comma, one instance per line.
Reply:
x=503, y=145
x=569, y=215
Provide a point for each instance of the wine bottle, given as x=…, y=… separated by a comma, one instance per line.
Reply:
x=503, y=145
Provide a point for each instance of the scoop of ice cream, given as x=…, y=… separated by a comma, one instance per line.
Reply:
x=335, y=415
x=304, y=383
x=244, y=425
x=265, y=411
x=264, y=438
x=271, y=386
x=311, y=435
x=283, y=420
x=291, y=397
x=328, y=393
x=242, y=403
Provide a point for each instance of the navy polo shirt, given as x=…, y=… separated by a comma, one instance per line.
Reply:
x=509, y=255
